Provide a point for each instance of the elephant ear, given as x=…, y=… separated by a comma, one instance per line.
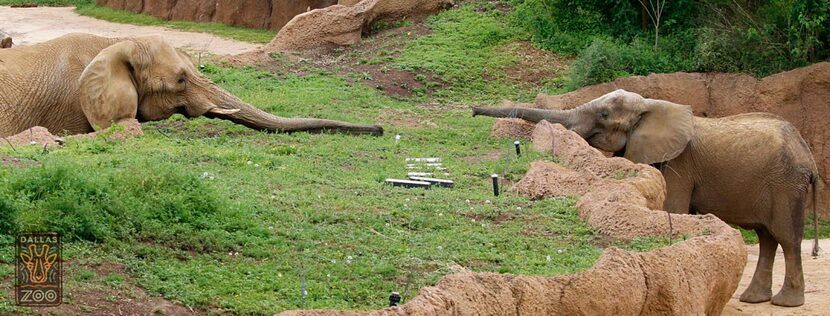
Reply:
x=107, y=86
x=663, y=132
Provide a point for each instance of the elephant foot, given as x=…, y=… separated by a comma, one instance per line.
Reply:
x=788, y=298
x=756, y=295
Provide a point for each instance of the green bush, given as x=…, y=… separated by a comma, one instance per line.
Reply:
x=607, y=59
x=613, y=38
x=125, y=204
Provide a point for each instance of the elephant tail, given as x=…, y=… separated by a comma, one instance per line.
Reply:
x=815, y=181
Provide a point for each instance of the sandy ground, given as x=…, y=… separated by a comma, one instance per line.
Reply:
x=816, y=278
x=34, y=25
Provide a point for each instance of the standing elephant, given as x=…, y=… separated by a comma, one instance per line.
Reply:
x=753, y=170
x=79, y=83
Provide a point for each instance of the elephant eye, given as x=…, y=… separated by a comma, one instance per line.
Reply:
x=182, y=80
x=603, y=114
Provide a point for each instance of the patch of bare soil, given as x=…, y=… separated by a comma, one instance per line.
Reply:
x=29, y=26
x=496, y=155
x=535, y=65
x=17, y=162
x=404, y=118
x=816, y=281
x=98, y=296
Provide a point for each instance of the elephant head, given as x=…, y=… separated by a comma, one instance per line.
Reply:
x=147, y=79
x=639, y=129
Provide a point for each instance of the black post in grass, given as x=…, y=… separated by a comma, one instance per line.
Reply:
x=518, y=148
x=495, y=184
x=394, y=299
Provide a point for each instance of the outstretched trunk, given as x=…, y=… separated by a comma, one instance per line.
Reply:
x=261, y=120
x=527, y=114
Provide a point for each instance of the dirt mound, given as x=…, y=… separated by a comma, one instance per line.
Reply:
x=696, y=276
x=41, y=136
x=260, y=14
x=799, y=96
x=343, y=24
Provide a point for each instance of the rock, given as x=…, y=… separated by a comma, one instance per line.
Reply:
x=343, y=24
x=5, y=40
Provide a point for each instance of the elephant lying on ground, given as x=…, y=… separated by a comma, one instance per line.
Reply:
x=79, y=83
x=753, y=170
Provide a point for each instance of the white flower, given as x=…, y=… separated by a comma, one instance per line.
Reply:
x=549, y=258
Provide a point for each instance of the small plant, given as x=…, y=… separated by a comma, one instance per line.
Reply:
x=624, y=174
x=114, y=280
x=278, y=56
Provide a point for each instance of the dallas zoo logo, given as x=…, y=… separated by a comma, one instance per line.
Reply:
x=38, y=275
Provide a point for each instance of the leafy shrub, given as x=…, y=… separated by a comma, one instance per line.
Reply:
x=170, y=206
x=615, y=38
x=607, y=59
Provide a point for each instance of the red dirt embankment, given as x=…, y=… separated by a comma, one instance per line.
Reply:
x=692, y=277
x=800, y=96
x=260, y=14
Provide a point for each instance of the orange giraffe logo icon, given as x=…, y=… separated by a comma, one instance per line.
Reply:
x=38, y=263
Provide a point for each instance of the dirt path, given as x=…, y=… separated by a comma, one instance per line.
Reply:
x=816, y=277
x=34, y=25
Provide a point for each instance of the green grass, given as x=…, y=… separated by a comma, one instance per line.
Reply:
x=88, y=8
x=809, y=231
x=464, y=49
x=219, y=216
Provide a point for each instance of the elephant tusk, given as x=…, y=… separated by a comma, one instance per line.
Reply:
x=223, y=111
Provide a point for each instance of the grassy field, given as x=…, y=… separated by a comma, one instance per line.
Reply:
x=88, y=8
x=225, y=219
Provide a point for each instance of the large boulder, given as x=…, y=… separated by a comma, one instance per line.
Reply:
x=5, y=40
x=343, y=24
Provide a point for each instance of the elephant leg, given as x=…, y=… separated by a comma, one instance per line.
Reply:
x=792, y=292
x=760, y=289
x=678, y=191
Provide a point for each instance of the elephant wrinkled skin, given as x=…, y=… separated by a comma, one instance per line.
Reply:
x=79, y=83
x=753, y=170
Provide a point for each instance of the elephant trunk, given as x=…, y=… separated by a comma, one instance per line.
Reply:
x=237, y=111
x=563, y=117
